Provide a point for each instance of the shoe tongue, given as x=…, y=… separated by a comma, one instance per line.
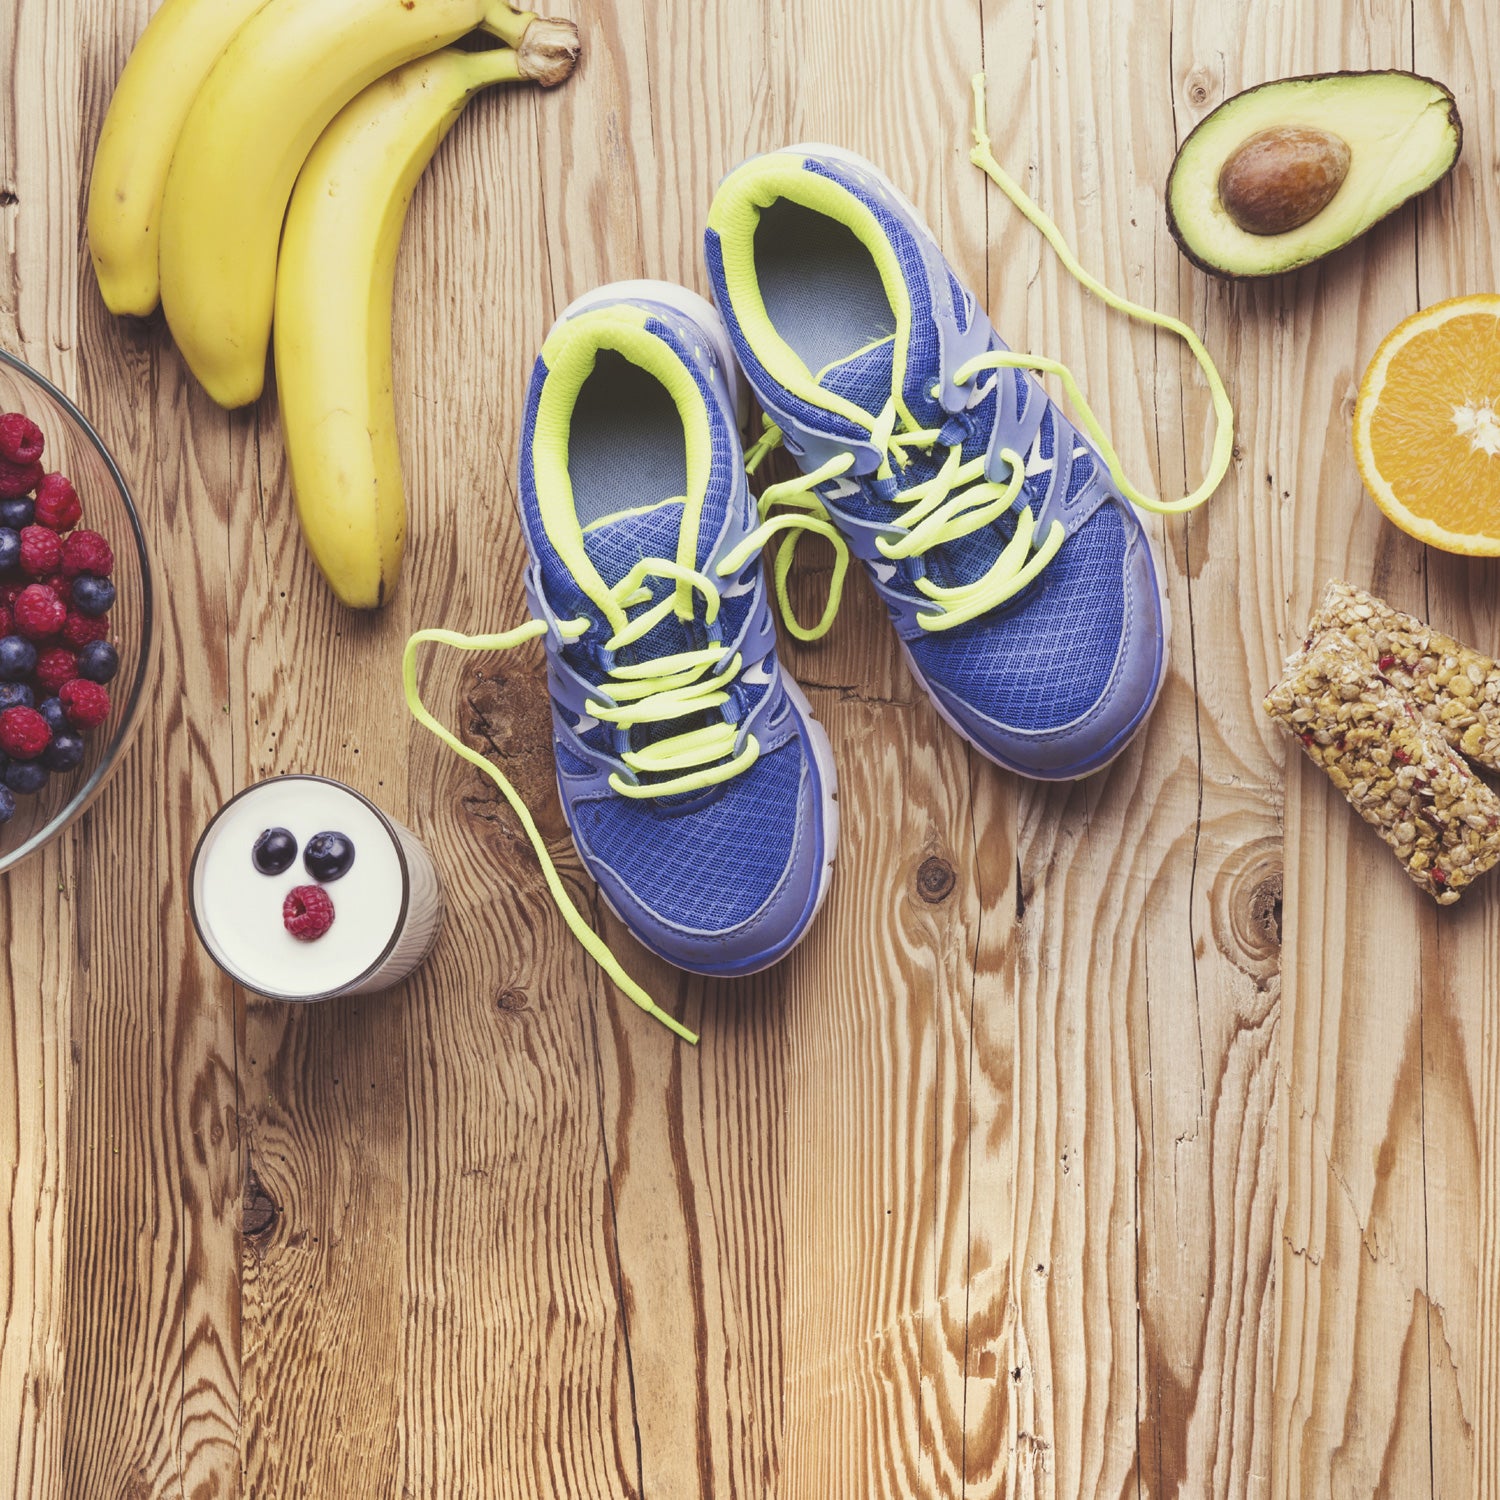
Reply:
x=865, y=378
x=615, y=546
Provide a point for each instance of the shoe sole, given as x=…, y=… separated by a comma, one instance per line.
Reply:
x=1114, y=751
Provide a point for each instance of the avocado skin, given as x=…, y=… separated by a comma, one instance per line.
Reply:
x=1185, y=246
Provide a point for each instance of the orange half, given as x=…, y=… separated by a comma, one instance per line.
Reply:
x=1427, y=426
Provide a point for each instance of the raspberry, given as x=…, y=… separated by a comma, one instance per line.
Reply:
x=41, y=551
x=21, y=439
x=24, y=733
x=39, y=613
x=18, y=479
x=55, y=667
x=307, y=912
x=7, y=621
x=87, y=552
x=57, y=503
x=85, y=703
x=78, y=630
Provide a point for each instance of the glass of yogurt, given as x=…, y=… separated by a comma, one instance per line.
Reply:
x=302, y=889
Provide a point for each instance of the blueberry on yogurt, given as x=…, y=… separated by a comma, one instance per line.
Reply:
x=274, y=851
x=328, y=856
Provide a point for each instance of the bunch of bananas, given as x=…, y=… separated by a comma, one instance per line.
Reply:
x=257, y=160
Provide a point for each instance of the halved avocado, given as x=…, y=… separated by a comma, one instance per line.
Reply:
x=1289, y=171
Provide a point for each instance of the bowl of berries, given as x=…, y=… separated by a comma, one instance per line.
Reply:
x=78, y=630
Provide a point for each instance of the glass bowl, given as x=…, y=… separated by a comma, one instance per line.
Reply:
x=75, y=448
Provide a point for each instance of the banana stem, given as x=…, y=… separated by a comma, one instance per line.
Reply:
x=508, y=23
x=495, y=65
x=546, y=49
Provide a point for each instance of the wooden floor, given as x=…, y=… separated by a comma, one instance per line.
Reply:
x=1134, y=1138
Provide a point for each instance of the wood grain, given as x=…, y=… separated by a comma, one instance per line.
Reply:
x=1134, y=1138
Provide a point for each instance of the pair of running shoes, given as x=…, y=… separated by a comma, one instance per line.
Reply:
x=699, y=788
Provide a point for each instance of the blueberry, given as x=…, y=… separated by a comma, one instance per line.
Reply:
x=17, y=658
x=15, y=695
x=54, y=713
x=26, y=776
x=7, y=804
x=17, y=513
x=91, y=595
x=10, y=547
x=274, y=851
x=328, y=856
x=98, y=661
x=65, y=753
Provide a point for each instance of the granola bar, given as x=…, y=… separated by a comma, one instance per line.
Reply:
x=1454, y=687
x=1394, y=765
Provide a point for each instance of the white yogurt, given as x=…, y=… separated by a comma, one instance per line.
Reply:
x=387, y=908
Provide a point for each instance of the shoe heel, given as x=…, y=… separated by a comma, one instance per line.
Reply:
x=690, y=305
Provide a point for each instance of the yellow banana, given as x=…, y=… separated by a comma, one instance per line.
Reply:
x=288, y=71
x=333, y=302
x=140, y=131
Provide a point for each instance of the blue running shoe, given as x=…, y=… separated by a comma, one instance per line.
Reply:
x=698, y=787
x=1019, y=580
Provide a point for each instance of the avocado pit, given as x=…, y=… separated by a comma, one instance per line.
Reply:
x=1280, y=178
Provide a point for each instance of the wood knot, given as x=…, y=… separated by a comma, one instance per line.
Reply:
x=1246, y=904
x=8, y=198
x=1201, y=86
x=512, y=999
x=935, y=880
x=1265, y=907
x=259, y=1213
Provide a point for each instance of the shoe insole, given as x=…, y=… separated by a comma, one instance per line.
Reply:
x=821, y=287
x=626, y=447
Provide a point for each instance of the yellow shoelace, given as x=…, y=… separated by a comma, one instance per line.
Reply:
x=676, y=686
x=959, y=499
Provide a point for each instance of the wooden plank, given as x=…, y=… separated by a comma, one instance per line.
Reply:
x=511, y=1259
x=1359, y=1406
x=1147, y=975
x=39, y=979
x=41, y=972
x=1460, y=976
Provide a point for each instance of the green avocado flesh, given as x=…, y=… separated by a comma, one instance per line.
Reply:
x=1403, y=135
